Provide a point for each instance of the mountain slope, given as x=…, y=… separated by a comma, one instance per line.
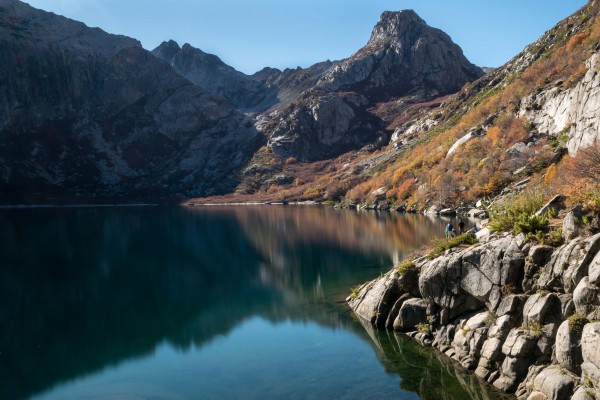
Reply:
x=503, y=128
x=508, y=128
x=403, y=58
x=92, y=116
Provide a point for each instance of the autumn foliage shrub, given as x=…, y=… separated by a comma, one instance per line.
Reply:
x=578, y=178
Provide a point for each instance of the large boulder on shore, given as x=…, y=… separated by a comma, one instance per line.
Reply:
x=569, y=264
x=586, y=296
x=412, y=313
x=468, y=280
x=375, y=300
x=441, y=282
x=540, y=309
x=589, y=343
x=555, y=383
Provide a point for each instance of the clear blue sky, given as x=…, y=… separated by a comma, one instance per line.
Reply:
x=252, y=34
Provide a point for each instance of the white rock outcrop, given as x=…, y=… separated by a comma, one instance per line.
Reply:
x=574, y=111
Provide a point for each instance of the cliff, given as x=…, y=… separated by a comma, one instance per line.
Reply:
x=519, y=315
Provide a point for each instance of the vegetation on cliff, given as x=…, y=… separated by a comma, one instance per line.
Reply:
x=504, y=146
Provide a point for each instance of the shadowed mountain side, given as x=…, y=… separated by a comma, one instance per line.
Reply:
x=91, y=116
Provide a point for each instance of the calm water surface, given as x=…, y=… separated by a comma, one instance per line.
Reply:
x=207, y=303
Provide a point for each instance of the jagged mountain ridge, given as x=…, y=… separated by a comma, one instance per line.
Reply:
x=114, y=122
x=87, y=115
x=266, y=89
x=321, y=111
x=209, y=72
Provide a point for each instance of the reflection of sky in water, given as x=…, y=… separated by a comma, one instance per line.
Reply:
x=258, y=360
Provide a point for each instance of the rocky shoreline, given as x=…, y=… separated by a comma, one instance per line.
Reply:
x=519, y=315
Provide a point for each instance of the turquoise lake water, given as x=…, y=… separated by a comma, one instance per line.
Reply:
x=207, y=303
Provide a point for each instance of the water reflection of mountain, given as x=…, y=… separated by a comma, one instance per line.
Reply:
x=85, y=289
x=296, y=241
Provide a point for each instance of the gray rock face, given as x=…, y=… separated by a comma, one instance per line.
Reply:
x=594, y=270
x=465, y=280
x=589, y=344
x=520, y=343
x=569, y=264
x=540, y=309
x=584, y=393
x=575, y=111
x=555, y=384
x=440, y=282
x=322, y=126
x=404, y=57
x=568, y=349
x=376, y=299
x=95, y=116
x=412, y=312
x=491, y=354
x=540, y=254
x=586, y=296
x=571, y=225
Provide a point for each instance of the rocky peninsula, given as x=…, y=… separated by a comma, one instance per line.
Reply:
x=521, y=315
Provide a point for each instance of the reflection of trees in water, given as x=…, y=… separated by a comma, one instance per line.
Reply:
x=425, y=371
x=302, y=244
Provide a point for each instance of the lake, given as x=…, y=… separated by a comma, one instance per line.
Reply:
x=207, y=303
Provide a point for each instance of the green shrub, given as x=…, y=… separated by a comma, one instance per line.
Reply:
x=354, y=292
x=404, y=267
x=424, y=328
x=535, y=329
x=526, y=223
x=555, y=238
x=514, y=209
x=441, y=245
x=576, y=323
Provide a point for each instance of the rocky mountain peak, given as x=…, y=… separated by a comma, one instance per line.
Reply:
x=167, y=50
x=395, y=24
